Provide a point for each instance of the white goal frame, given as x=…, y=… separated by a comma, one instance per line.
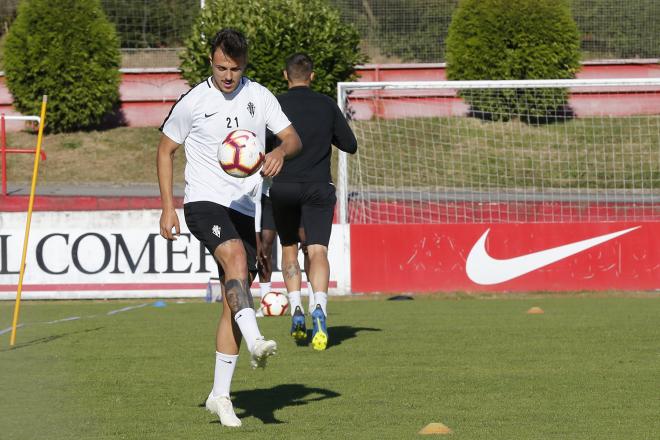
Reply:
x=344, y=88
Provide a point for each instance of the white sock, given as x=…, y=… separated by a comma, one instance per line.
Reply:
x=247, y=322
x=264, y=288
x=322, y=300
x=310, y=293
x=294, y=301
x=224, y=371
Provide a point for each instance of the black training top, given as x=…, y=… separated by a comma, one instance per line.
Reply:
x=320, y=124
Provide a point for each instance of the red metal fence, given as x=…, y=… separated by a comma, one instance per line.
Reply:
x=147, y=96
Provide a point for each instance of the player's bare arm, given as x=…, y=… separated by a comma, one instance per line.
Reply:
x=264, y=257
x=289, y=147
x=165, y=165
x=260, y=257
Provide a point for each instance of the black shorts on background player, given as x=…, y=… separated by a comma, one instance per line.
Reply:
x=311, y=202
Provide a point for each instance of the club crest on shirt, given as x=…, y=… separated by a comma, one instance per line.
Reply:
x=251, y=108
x=216, y=230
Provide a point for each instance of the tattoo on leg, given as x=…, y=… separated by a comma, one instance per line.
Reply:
x=292, y=270
x=238, y=295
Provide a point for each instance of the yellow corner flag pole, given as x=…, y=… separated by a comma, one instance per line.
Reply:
x=17, y=305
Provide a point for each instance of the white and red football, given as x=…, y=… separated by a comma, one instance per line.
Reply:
x=274, y=304
x=241, y=154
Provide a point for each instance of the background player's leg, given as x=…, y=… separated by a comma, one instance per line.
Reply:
x=266, y=260
x=291, y=274
x=310, y=288
x=319, y=273
x=292, y=279
x=317, y=216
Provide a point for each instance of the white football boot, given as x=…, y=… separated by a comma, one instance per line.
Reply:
x=221, y=405
x=261, y=351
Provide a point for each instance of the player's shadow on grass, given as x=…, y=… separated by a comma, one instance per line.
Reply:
x=47, y=339
x=339, y=333
x=262, y=403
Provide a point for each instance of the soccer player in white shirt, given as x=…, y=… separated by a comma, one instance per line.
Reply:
x=220, y=209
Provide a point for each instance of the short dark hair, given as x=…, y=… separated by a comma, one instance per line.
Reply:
x=231, y=42
x=299, y=67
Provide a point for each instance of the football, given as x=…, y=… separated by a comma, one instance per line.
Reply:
x=241, y=153
x=274, y=304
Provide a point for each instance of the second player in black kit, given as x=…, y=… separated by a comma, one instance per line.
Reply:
x=304, y=188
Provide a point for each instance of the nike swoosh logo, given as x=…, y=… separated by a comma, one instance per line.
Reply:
x=226, y=362
x=207, y=115
x=486, y=270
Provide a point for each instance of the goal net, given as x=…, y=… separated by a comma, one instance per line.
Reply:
x=501, y=151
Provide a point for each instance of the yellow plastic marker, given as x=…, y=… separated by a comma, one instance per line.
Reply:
x=435, y=428
x=535, y=311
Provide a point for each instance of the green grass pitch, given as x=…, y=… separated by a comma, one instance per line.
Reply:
x=589, y=368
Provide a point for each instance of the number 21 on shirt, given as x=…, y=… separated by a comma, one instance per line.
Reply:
x=232, y=122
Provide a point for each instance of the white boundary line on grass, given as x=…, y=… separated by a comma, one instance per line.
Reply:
x=125, y=309
x=75, y=318
x=8, y=329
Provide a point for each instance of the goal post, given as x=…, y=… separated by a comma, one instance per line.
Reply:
x=534, y=151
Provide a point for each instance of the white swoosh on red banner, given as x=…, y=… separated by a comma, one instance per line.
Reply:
x=483, y=269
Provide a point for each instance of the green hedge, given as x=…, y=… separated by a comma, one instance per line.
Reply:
x=68, y=50
x=513, y=39
x=276, y=29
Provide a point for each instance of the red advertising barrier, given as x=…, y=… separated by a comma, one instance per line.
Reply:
x=505, y=257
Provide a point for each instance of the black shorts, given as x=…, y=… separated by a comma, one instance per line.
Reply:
x=267, y=220
x=313, y=202
x=213, y=224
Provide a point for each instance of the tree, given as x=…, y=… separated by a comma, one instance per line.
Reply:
x=276, y=29
x=513, y=39
x=66, y=49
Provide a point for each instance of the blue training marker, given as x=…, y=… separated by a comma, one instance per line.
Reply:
x=160, y=304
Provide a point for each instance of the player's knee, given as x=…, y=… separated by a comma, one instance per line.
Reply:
x=237, y=266
x=317, y=251
x=232, y=257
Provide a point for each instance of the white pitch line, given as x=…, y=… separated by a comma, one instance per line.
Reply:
x=71, y=318
x=8, y=329
x=74, y=318
x=125, y=309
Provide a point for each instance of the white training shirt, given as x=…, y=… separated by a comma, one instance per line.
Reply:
x=201, y=119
